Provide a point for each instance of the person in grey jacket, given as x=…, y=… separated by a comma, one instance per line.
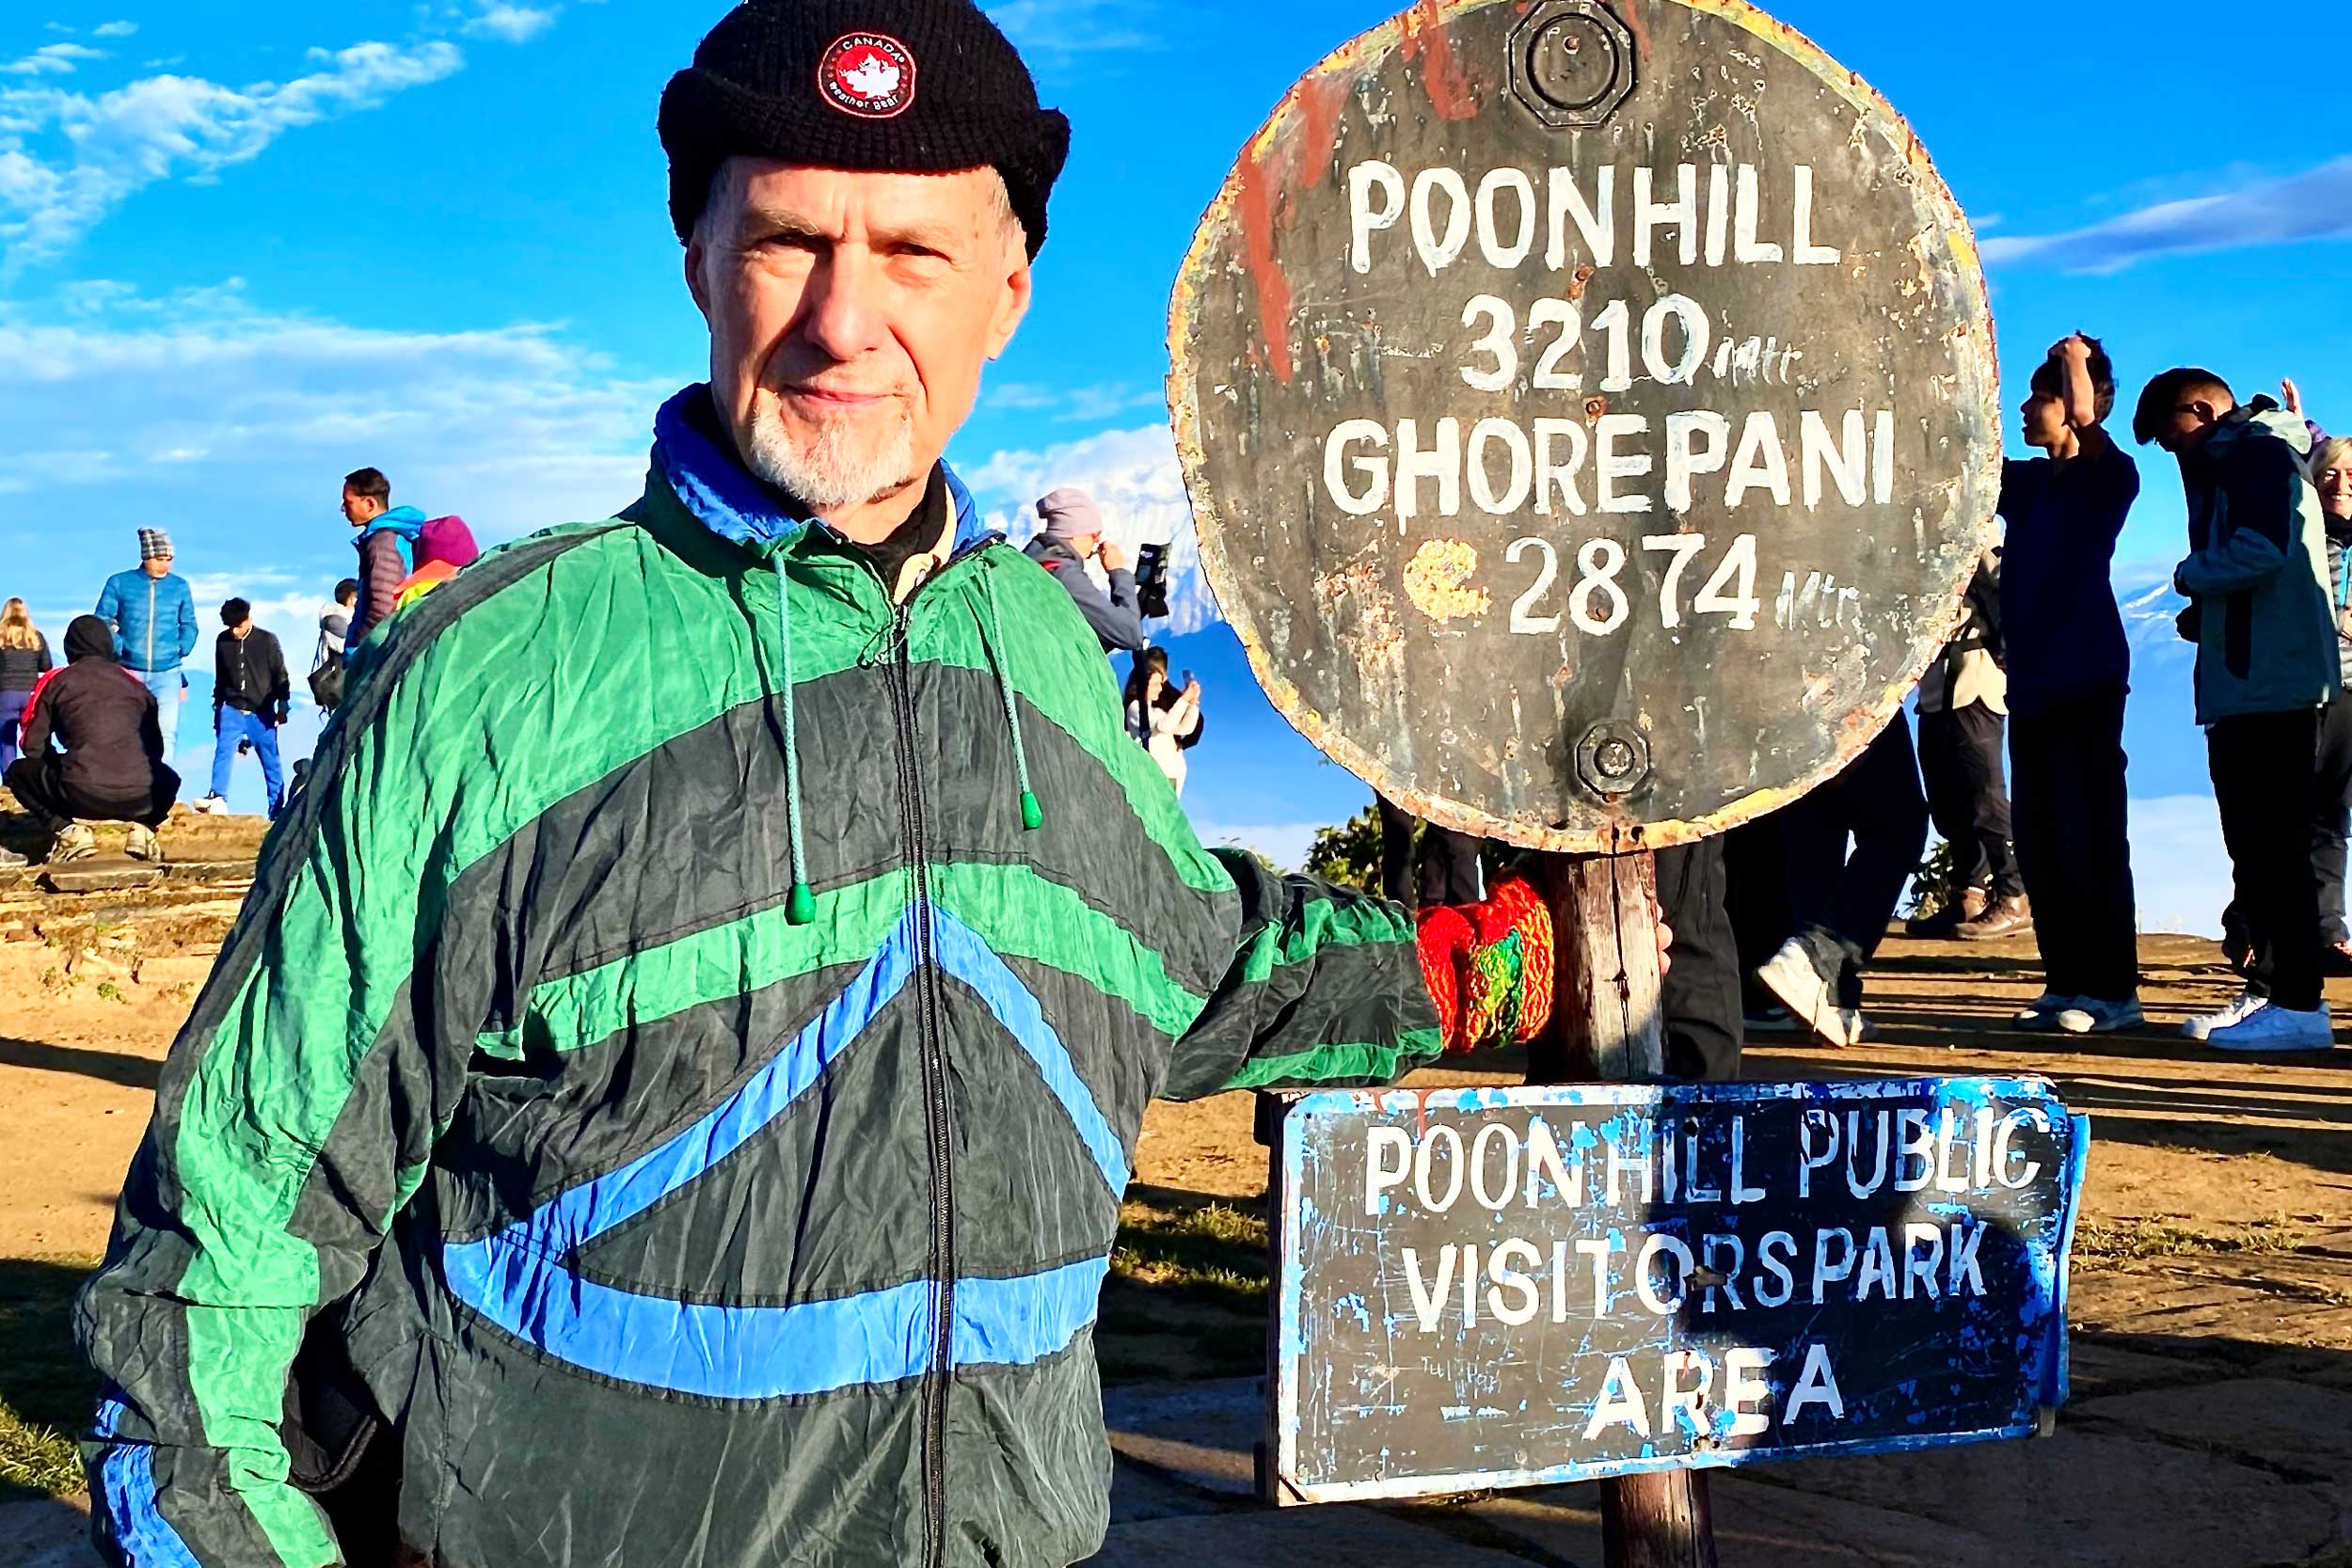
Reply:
x=2260, y=614
x=1073, y=535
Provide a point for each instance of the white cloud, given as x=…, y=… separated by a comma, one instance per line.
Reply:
x=511, y=23
x=2316, y=204
x=123, y=397
x=1057, y=29
x=114, y=29
x=1134, y=477
x=95, y=151
x=52, y=59
x=1103, y=400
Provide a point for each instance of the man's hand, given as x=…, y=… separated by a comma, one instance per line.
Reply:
x=2076, y=348
x=1113, y=558
x=2293, y=395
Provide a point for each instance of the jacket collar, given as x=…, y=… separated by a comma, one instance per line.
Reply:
x=722, y=496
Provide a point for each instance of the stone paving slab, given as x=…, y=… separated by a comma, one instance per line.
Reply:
x=2295, y=1427
x=1757, y=1525
x=1202, y=1433
x=2088, y=1500
x=1337, y=1536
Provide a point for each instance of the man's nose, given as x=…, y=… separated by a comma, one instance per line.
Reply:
x=843, y=313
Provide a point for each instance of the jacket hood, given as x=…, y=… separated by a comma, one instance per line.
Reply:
x=2262, y=415
x=88, y=638
x=403, y=521
x=724, y=496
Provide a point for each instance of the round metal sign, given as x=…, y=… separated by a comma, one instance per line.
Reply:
x=1589, y=412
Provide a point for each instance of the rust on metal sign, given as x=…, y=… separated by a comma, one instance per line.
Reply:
x=1589, y=411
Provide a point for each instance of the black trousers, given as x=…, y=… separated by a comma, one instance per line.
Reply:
x=1447, y=861
x=1840, y=904
x=37, y=784
x=2263, y=781
x=2073, y=845
x=1756, y=894
x=2331, y=818
x=1699, y=1000
x=1959, y=760
x=1396, y=851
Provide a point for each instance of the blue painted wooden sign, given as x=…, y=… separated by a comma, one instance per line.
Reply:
x=1495, y=1287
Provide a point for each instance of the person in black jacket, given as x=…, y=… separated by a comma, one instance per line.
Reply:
x=23, y=659
x=250, y=693
x=93, y=749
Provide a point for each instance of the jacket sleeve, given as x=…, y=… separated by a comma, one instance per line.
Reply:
x=2259, y=493
x=45, y=663
x=280, y=693
x=380, y=574
x=109, y=609
x=1116, y=620
x=187, y=629
x=33, y=730
x=1324, y=989
x=295, y=1117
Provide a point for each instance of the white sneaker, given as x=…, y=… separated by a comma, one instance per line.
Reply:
x=142, y=845
x=2237, y=1012
x=1790, y=975
x=2042, y=1014
x=2276, y=1028
x=212, y=805
x=2091, y=1016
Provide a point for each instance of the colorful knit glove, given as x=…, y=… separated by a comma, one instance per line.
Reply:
x=1488, y=967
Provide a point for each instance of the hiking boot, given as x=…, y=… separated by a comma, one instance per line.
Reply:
x=2002, y=917
x=73, y=843
x=1940, y=926
x=1812, y=997
x=142, y=845
x=2040, y=1015
x=2237, y=1012
x=2274, y=1028
x=2091, y=1016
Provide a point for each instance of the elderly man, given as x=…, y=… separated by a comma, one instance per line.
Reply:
x=695, y=1092
x=1071, y=536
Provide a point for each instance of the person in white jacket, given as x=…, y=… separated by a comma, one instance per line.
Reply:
x=1164, y=719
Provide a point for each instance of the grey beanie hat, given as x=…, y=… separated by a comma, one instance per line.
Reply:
x=1070, y=513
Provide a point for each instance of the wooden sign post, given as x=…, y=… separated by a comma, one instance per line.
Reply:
x=1606, y=1027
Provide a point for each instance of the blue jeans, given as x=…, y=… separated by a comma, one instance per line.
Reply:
x=12, y=717
x=236, y=725
x=172, y=690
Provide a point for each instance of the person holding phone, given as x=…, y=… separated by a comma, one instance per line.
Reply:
x=1164, y=719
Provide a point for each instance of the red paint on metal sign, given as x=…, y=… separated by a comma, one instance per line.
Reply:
x=1426, y=40
x=1255, y=204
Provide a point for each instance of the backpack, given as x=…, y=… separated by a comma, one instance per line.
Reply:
x=448, y=540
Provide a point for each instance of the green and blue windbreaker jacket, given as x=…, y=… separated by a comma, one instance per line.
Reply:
x=687, y=1043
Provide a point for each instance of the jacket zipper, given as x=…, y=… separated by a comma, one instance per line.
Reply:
x=151, y=626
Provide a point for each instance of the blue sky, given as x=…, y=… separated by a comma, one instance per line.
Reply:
x=244, y=248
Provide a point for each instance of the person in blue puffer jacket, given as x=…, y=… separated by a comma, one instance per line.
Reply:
x=387, y=550
x=153, y=612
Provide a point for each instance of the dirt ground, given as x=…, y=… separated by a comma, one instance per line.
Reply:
x=2217, y=1211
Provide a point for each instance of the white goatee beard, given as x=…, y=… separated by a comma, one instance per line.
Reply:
x=843, y=467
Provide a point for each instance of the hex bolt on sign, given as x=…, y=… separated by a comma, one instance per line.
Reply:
x=1571, y=63
x=1613, y=759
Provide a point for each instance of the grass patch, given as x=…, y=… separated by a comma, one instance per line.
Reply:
x=46, y=1393
x=2136, y=1241
x=1186, y=1296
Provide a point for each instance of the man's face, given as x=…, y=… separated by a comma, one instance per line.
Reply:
x=2045, y=419
x=241, y=628
x=156, y=567
x=849, y=316
x=358, y=509
x=2185, y=429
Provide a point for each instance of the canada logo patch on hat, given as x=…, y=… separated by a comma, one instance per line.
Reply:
x=867, y=74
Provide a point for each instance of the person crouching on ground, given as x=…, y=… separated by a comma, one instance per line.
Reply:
x=2259, y=612
x=2069, y=672
x=250, y=695
x=694, y=1093
x=93, y=751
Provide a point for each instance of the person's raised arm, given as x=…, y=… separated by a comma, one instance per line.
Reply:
x=2082, y=396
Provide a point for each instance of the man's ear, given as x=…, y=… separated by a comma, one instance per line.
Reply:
x=1013, y=304
x=696, y=254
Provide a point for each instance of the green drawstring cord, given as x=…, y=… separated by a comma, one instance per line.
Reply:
x=800, y=905
x=1032, y=816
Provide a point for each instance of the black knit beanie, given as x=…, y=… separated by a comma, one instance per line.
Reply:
x=908, y=86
